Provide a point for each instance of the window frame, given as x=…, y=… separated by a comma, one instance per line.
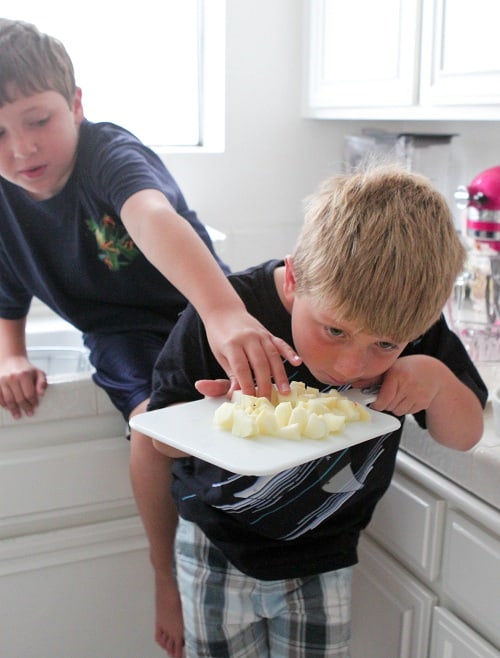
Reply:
x=211, y=80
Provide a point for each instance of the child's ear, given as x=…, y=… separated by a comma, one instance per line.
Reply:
x=289, y=283
x=77, y=105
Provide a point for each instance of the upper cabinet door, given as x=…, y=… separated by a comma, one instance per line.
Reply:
x=402, y=59
x=362, y=54
x=460, y=53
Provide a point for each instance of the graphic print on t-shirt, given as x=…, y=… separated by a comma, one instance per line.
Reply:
x=325, y=485
x=116, y=247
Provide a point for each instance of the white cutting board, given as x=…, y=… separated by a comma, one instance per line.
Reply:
x=190, y=427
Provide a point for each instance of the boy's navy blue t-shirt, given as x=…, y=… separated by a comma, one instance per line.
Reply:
x=73, y=252
x=304, y=520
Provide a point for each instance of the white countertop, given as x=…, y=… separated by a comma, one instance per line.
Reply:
x=477, y=470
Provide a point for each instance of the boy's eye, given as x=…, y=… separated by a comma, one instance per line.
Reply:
x=40, y=122
x=333, y=331
x=384, y=345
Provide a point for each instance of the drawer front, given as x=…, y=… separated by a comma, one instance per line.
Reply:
x=408, y=522
x=53, y=486
x=454, y=639
x=471, y=574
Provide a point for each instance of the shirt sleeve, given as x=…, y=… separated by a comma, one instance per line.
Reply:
x=119, y=166
x=15, y=300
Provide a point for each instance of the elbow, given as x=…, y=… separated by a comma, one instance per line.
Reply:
x=467, y=440
x=472, y=438
x=474, y=430
x=466, y=445
x=461, y=439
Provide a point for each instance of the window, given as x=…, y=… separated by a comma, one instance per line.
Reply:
x=155, y=67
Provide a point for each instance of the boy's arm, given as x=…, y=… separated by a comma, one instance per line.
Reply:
x=239, y=342
x=21, y=384
x=454, y=414
x=13, y=334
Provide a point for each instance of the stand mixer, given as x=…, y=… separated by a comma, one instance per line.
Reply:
x=474, y=307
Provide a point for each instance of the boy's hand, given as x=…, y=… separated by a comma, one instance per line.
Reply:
x=21, y=386
x=249, y=353
x=213, y=388
x=409, y=386
x=454, y=416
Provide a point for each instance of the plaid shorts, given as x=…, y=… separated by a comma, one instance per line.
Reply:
x=229, y=614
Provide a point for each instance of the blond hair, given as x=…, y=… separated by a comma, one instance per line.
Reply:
x=380, y=248
x=32, y=62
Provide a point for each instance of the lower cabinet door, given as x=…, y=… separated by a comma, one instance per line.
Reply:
x=451, y=638
x=83, y=592
x=391, y=610
x=408, y=522
x=471, y=574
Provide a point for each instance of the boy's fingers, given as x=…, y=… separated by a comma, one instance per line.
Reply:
x=241, y=376
x=41, y=382
x=254, y=368
x=245, y=368
x=286, y=351
x=386, y=397
x=277, y=351
x=212, y=388
x=263, y=360
x=283, y=351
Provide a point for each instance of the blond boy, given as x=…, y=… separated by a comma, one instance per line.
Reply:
x=264, y=564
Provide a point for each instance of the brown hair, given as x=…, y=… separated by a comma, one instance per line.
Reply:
x=32, y=62
x=379, y=246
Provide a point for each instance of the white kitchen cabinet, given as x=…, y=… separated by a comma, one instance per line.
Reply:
x=350, y=65
x=75, y=575
x=428, y=579
x=471, y=572
x=402, y=59
x=387, y=597
x=460, y=58
x=453, y=639
x=78, y=592
x=408, y=523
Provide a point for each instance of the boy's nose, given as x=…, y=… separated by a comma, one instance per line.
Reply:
x=350, y=365
x=22, y=146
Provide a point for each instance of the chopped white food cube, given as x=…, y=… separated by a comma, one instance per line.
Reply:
x=244, y=425
x=349, y=409
x=304, y=413
x=334, y=422
x=223, y=416
x=283, y=412
x=290, y=432
x=316, y=427
x=299, y=416
x=267, y=423
x=316, y=406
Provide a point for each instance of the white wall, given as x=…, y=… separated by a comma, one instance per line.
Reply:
x=274, y=157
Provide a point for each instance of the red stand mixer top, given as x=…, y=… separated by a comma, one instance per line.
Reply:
x=483, y=208
x=475, y=303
